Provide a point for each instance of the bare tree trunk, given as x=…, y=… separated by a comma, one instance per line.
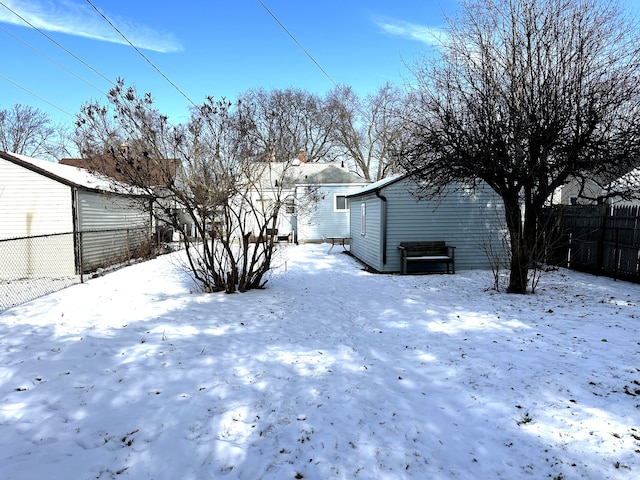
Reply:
x=519, y=251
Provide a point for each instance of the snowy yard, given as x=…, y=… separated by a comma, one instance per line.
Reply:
x=331, y=372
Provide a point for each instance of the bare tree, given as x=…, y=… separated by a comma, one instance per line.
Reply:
x=286, y=121
x=205, y=179
x=369, y=132
x=28, y=131
x=525, y=95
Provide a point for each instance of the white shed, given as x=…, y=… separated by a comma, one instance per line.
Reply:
x=65, y=216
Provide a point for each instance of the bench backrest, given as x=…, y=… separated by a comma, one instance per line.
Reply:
x=425, y=248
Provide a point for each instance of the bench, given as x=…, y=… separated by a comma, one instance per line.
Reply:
x=430, y=252
x=344, y=241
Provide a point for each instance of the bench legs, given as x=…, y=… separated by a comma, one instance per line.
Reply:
x=451, y=266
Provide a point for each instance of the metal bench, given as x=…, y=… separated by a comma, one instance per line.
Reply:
x=344, y=241
x=427, y=252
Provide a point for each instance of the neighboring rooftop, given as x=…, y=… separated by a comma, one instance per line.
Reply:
x=141, y=173
x=289, y=174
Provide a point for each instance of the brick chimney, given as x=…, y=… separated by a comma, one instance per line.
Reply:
x=302, y=155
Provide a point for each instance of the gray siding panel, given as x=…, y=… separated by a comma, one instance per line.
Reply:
x=472, y=221
x=103, y=211
x=367, y=247
x=321, y=220
x=112, y=228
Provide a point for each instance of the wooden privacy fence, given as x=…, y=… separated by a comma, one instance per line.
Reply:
x=599, y=239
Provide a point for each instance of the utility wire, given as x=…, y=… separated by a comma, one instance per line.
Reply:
x=57, y=44
x=35, y=95
x=298, y=43
x=335, y=84
x=141, y=54
x=52, y=60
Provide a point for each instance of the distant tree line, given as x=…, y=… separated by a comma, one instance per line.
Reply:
x=26, y=130
x=363, y=132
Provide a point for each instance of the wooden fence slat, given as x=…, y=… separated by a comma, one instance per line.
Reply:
x=599, y=239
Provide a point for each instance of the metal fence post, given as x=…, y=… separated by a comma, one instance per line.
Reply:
x=81, y=252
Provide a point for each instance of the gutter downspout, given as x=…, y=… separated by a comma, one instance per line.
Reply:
x=383, y=226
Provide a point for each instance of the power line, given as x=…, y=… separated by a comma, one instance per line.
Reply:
x=35, y=95
x=335, y=84
x=56, y=43
x=141, y=54
x=52, y=60
x=298, y=43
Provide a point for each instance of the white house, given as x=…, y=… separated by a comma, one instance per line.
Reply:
x=590, y=193
x=314, y=197
x=81, y=220
x=629, y=183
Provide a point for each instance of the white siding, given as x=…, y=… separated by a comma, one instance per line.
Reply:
x=40, y=256
x=32, y=204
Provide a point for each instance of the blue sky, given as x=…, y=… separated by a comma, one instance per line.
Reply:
x=217, y=47
x=208, y=47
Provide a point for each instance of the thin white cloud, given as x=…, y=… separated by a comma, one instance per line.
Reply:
x=432, y=36
x=80, y=19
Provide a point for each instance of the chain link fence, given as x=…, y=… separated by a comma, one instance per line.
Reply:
x=31, y=267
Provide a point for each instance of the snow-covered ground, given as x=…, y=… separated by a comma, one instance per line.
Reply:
x=330, y=372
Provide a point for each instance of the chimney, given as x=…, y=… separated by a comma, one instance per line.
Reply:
x=302, y=155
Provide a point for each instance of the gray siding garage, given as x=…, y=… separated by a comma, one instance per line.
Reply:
x=386, y=213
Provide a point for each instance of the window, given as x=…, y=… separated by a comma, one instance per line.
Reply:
x=290, y=206
x=363, y=218
x=341, y=204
